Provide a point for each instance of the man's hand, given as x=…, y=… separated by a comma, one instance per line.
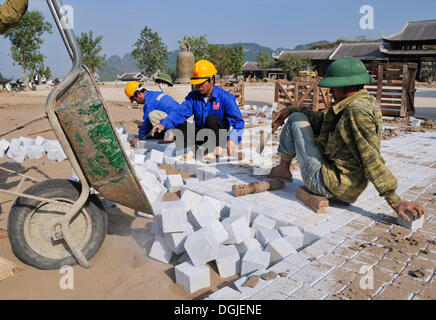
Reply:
x=231, y=147
x=414, y=208
x=280, y=117
x=157, y=128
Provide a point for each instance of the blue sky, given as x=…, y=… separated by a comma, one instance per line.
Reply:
x=271, y=23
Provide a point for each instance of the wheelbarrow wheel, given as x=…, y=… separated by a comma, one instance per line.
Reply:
x=32, y=222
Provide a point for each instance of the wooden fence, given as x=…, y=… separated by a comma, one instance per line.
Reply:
x=394, y=88
x=302, y=92
x=235, y=88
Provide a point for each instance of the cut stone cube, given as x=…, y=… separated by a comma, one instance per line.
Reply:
x=141, y=144
x=35, y=152
x=266, y=235
x=238, y=229
x=191, y=181
x=217, y=229
x=192, y=278
x=174, y=216
x=202, y=246
x=248, y=244
x=293, y=235
x=160, y=251
x=141, y=151
x=156, y=156
x=39, y=140
x=254, y=260
x=174, y=182
x=176, y=240
x=201, y=214
x=228, y=261
x=139, y=158
x=191, y=199
x=56, y=154
x=263, y=222
x=169, y=161
x=226, y=293
x=279, y=249
x=412, y=224
x=241, y=208
x=25, y=142
x=151, y=166
x=218, y=206
x=4, y=144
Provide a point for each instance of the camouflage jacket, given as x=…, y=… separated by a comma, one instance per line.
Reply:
x=349, y=137
x=10, y=13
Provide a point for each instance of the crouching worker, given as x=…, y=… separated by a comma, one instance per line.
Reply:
x=158, y=108
x=345, y=155
x=214, y=109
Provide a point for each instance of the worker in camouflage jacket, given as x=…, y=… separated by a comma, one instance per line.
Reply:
x=345, y=154
x=10, y=13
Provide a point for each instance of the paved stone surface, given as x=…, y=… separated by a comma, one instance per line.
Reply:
x=349, y=244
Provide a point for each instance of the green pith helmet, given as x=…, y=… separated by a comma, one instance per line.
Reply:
x=346, y=72
x=164, y=78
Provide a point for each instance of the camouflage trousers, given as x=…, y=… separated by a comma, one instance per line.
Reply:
x=297, y=139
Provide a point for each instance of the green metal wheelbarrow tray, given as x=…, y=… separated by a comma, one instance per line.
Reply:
x=60, y=222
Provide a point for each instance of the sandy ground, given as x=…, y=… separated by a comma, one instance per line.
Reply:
x=121, y=269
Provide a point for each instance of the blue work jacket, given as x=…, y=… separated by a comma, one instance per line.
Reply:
x=156, y=100
x=221, y=104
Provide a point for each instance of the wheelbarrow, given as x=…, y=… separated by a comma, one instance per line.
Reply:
x=61, y=222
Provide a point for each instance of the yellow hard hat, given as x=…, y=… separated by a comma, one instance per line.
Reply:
x=202, y=71
x=131, y=88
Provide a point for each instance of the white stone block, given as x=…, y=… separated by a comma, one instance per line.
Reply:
x=35, y=152
x=412, y=224
x=174, y=216
x=151, y=167
x=141, y=151
x=56, y=154
x=228, y=261
x=209, y=173
x=218, y=206
x=39, y=140
x=169, y=161
x=191, y=181
x=266, y=235
x=201, y=214
x=217, y=229
x=4, y=144
x=263, y=222
x=293, y=235
x=160, y=251
x=238, y=229
x=139, y=158
x=14, y=145
x=2, y=153
x=279, y=249
x=192, y=278
x=25, y=142
x=176, y=240
x=241, y=208
x=254, y=260
x=141, y=144
x=174, y=182
x=202, y=246
x=226, y=293
x=191, y=199
x=161, y=178
x=248, y=244
x=155, y=156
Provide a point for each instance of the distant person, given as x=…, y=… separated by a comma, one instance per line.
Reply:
x=159, y=108
x=213, y=108
x=11, y=13
x=164, y=80
x=339, y=152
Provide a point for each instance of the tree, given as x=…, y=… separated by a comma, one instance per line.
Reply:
x=91, y=48
x=199, y=46
x=236, y=59
x=150, y=52
x=264, y=61
x=227, y=60
x=291, y=64
x=26, y=41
